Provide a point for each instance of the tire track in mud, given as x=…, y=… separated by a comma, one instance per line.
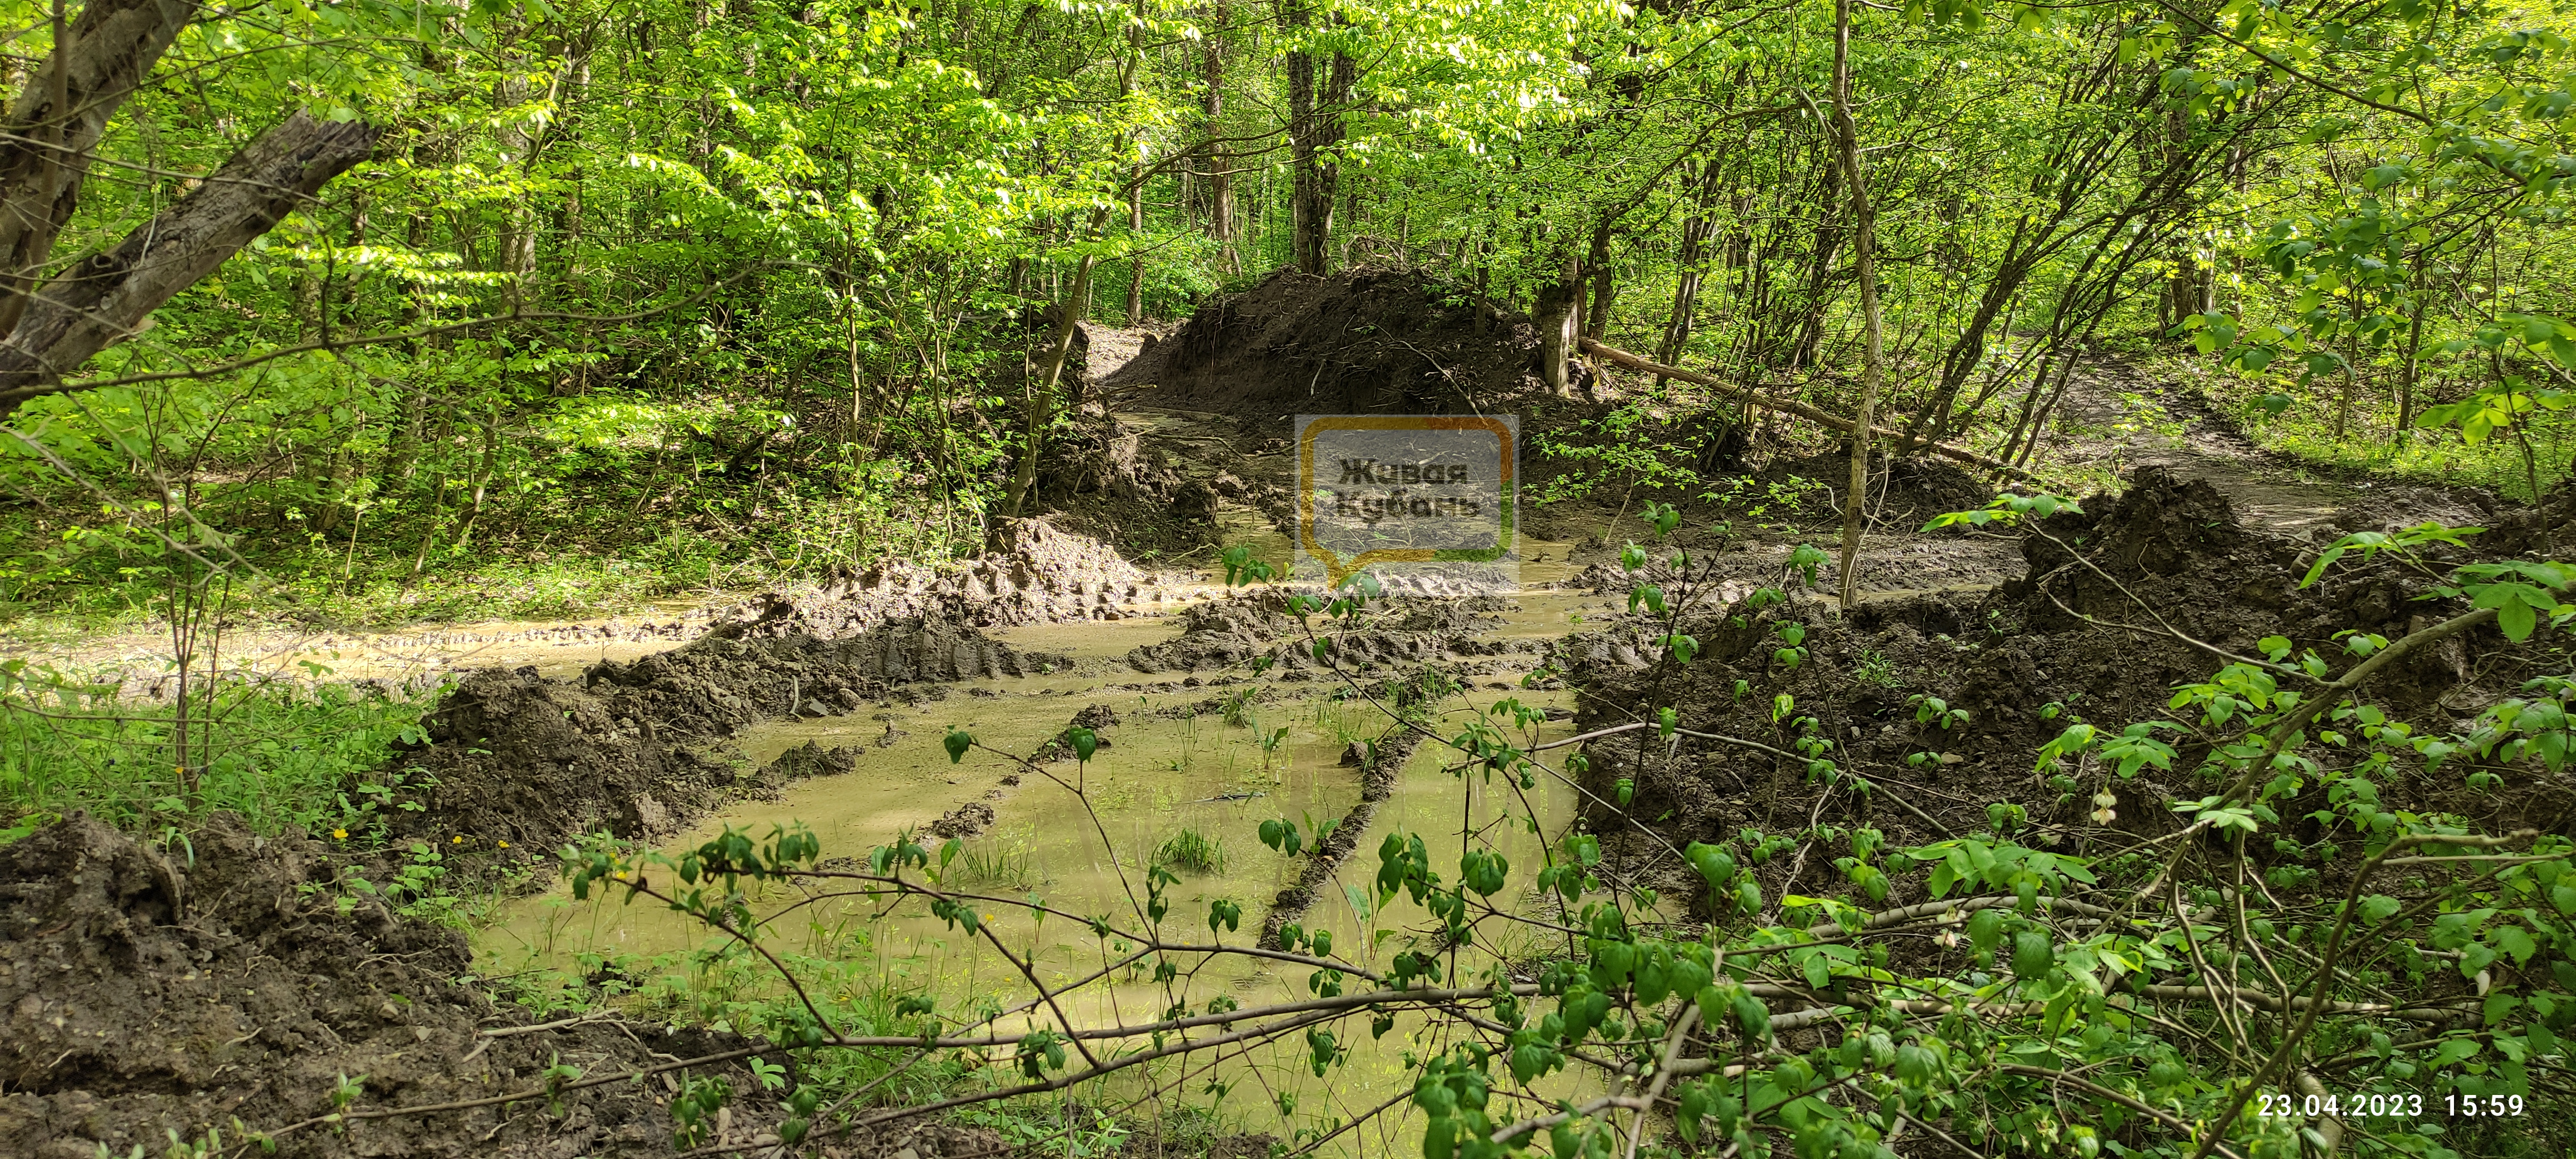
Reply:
x=1378, y=770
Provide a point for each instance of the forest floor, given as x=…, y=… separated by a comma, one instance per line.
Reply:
x=133, y=974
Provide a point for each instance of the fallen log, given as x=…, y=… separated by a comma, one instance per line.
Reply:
x=1633, y=362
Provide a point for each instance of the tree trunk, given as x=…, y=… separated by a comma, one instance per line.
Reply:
x=105, y=296
x=1136, y=257
x=1865, y=262
x=1555, y=315
x=1314, y=128
x=1596, y=319
x=1695, y=231
x=1220, y=168
x=45, y=141
x=1040, y=388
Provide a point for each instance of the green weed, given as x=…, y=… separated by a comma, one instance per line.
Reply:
x=1191, y=850
x=280, y=754
x=1876, y=668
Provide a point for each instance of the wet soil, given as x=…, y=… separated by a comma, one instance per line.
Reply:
x=638, y=749
x=2097, y=640
x=1388, y=341
x=2120, y=418
x=151, y=991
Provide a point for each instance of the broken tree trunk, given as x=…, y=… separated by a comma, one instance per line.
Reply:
x=1616, y=356
x=106, y=296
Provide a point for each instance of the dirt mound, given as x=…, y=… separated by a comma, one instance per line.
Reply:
x=1365, y=340
x=2094, y=643
x=635, y=748
x=1247, y=626
x=148, y=993
x=1039, y=575
x=966, y=820
x=1102, y=478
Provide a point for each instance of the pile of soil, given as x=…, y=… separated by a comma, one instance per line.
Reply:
x=1887, y=564
x=636, y=748
x=1038, y=574
x=150, y=991
x=2062, y=633
x=1102, y=479
x=1364, y=340
x=1246, y=626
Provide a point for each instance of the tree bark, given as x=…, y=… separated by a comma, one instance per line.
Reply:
x=105, y=296
x=1865, y=262
x=1694, y=253
x=1555, y=315
x=1314, y=128
x=1040, y=388
x=1220, y=168
x=45, y=141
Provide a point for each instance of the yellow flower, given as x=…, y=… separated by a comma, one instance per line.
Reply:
x=460, y=839
x=505, y=845
x=339, y=834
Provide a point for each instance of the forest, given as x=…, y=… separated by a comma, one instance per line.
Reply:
x=2025, y=616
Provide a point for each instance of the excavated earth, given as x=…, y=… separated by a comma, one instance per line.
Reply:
x=151, y=993
x=2098, y=639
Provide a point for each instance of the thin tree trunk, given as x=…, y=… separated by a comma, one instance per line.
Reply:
x=1695, y=231
x=1040, y=388
x=1864, y=245
x=1555, y=314
x=1136, y=256
x=1220, y=168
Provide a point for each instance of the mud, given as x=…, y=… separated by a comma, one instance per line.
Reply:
x=1037, y=575
x=2062, y=634
x=1369, y=340
x=1253, y=626
x=150, y=991
x=637, y=749
x=1379, y=762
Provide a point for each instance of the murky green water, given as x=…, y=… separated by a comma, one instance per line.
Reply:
x=1176, y=763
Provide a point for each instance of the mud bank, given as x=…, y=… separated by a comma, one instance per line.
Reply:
x=2097, y=640
x=1038, y=575
x=1371, y=340
x=1252, y=627
x=637, y=749
x=223, y=986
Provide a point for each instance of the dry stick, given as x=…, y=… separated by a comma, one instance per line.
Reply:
x=2226, y=994
x=1063, y=1081
x=1663, y=1073
x=1143, y=943
x=1873, y=365
x=1802, y=410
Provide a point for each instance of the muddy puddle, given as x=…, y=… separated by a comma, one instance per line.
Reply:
x=1196, y=759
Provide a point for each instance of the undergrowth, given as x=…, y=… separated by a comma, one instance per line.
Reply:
x=284, y=755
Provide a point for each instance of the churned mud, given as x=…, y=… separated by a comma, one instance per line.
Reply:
x=2160, y=585
x=153, y=992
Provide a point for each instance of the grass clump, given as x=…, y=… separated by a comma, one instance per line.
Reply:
x=1193, y=851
